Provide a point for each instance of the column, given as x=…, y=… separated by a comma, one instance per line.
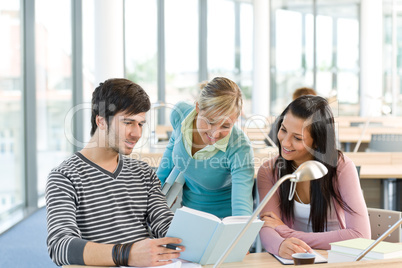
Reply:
x=109, y=39
x=261, y=74
x=371, y=40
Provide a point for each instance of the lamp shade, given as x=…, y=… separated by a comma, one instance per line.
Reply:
x=309, y=170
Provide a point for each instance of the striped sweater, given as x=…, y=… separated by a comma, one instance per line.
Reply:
x=88, y=203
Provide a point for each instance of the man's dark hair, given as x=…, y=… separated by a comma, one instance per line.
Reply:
x=118, y=95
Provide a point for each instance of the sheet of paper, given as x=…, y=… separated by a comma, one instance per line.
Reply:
x=177, y=263
x=318, y=259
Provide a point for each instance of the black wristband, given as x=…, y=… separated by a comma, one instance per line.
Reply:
x=115, y=254
x=126, y=253
x=121, y=253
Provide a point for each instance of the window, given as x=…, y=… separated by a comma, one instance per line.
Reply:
x=230, y=47
x=11, y=109
x=328, y=60
x=141, y=45
x=392, y=91
x=181, y=35
x=53, y=84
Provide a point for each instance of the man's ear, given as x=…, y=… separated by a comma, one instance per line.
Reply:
x=101, y=122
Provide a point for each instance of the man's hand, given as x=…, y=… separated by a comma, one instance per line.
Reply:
x=293, y=245
x=151, y=252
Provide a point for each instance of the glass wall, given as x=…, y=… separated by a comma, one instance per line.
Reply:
x=181, y=50
x=88, y=63
x=221, y=39
x=291, y=59
x=229, y=42
x=318, y=47
x=392, y=90
x=141, y=44
x=177, y=49
x=244, y=53
x=11, y=109
x=53, y=84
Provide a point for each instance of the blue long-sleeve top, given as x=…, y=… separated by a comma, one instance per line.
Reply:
x=220, y=185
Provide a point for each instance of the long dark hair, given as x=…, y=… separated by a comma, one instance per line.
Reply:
x=318, y=115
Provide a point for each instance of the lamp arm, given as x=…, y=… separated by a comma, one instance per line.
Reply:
x=252, y=217
x=378, y=240
x=359, y=141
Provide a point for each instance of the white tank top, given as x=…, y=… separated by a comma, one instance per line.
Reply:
x=302, y=214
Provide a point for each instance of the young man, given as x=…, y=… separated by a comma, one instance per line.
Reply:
x=103, y=207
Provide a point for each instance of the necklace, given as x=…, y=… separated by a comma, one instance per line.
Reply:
x=299, y=198
x=294, y=166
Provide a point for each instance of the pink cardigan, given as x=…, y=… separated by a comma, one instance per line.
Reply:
x=352, y=225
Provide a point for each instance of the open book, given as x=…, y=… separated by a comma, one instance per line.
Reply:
x=206, y=237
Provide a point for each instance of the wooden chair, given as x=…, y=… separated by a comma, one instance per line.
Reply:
x=381, y=220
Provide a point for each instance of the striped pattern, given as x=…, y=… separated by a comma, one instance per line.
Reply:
x=86, y=202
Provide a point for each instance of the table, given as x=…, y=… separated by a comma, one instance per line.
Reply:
x=348, y=135
x=345, y=121
x=265, y=260
x=386, y=166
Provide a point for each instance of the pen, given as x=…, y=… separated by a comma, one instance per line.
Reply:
x=171, y=247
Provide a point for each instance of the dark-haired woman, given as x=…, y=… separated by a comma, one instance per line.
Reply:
x=326, y=210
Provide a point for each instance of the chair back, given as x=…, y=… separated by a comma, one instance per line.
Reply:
x=385, y=143
x=381, y=220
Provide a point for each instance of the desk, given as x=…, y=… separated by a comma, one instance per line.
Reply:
x=265, y=260
x=345, y=121
x=348, y=135
x=386, y=166
x=389, y=175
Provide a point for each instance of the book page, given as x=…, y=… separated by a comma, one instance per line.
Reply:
x=236, y=219
x=224, y=237
x=201, y=213
x=195, y=231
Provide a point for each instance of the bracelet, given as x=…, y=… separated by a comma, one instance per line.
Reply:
x=115, y=252
x=121, y=253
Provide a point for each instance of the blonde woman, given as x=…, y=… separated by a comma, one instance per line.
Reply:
x=214, y=155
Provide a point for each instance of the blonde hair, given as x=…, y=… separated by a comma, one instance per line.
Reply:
x=220, y=96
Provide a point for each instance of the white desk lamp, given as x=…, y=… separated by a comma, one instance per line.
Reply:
x=309, y=170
